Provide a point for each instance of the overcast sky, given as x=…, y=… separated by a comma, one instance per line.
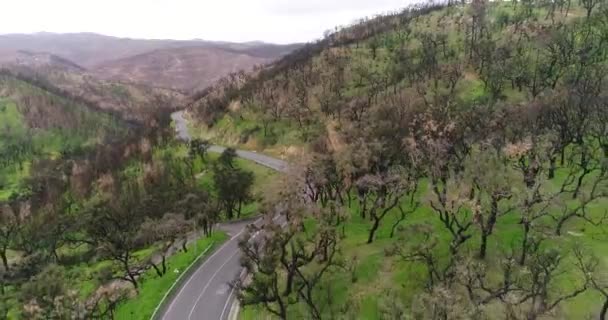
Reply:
x=280, y=21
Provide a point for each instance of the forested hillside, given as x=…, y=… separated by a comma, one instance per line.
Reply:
x=131, y=102
x=55, y=151
x=97, y=204
x=37, y=125
x=453, y=159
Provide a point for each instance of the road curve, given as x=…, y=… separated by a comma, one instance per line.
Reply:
x=181, y=129
x=206, y=294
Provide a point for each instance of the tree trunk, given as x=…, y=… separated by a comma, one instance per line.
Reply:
x=290, y=278
x=265, y=125
x=230, y=211
x=579, y=184
x=373, y=230
x=158, y=272
x=325, y=252
x=552, y=167
x=362, y=207
x=604, y=311
x=55, y=254
x=130, y=275
x=396, y=224
x=559, y=227
x=484, y=245
x=184, y=243
x=394, y=228
x=486, y=230
x=282, y=310
x=457, y=241
x=524, y=245
x=4, y=260
x=133, y=281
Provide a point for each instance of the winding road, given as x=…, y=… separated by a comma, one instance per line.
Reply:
x=181, y=128
x=206, y=294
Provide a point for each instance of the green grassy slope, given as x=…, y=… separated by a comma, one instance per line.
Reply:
x=377, y=277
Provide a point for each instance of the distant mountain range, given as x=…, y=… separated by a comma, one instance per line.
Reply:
x=174, y=64
x=186, y=68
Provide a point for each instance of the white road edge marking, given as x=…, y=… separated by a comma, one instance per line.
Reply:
x=235, y=302
x=209, y=283
x=177, y=280
x=192, y=276
x=235, y=306
x=270, y=162
x=226, y=304
x=234, y=311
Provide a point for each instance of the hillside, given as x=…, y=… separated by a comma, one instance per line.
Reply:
x=85, y=49
x=454, y=159
x=60, y=155
x=37, y=60
x=37, y=125
x=130, y=101
x=342, y=77
x=183, y=69
x=90, y=49
x=96, y=212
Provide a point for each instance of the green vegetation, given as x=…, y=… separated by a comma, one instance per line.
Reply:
x=124, y=212
x=64, y=165
x=373, y=278
x=264, y=177
x=455, y=166
x=154, y=288
x=245, y=130
x=86, y=199
x=36, y=125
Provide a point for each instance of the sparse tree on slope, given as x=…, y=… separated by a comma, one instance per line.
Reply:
x=287, y=266
x=115, y=227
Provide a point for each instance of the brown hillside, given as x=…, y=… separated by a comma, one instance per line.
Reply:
x=38, y=60
x=86, y=49
x=181, y=68
x=183, y=65
x=131, y=101
x=90, y=49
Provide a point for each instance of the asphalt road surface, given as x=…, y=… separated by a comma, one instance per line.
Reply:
x=207, y=295
x=181, y=129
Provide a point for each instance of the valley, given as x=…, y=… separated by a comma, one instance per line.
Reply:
x=440, y=161
x=80, y=151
